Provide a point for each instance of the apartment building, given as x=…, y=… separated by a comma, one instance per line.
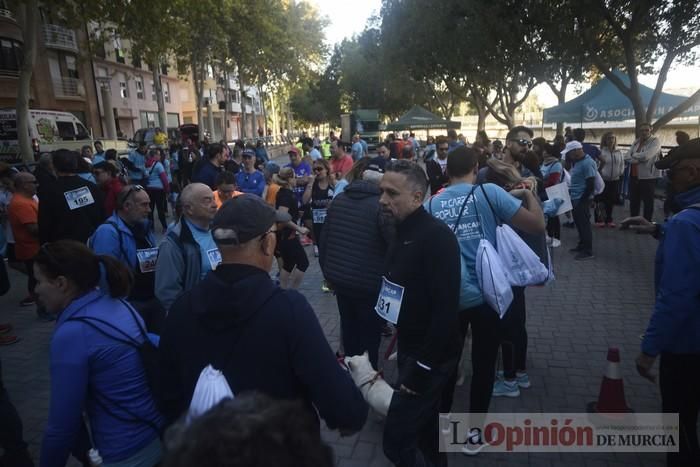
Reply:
x=61, y=80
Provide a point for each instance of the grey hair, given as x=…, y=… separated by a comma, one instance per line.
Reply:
x=413, y=172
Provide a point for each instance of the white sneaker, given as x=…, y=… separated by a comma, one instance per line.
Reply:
x=549, y=240
x=316, y=251
x=556, y=243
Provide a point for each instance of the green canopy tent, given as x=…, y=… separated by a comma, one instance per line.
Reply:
x=419, y=118
x=604, y=102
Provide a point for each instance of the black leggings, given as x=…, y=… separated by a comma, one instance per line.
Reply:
x=514, y=335
x=160, y=200
x=318, y=228
x=554, y=227
x=293, y=254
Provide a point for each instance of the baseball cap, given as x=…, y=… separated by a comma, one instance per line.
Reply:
x=293, y=150
x=248, y=153
x=570, y=146
x=243, y=218
x=689, y=150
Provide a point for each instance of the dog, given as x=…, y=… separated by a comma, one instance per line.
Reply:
x=374, y=389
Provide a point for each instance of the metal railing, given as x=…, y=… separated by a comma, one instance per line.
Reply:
x=68, y=87
x=59, y=37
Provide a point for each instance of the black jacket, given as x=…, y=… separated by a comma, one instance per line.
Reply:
x=57, y=221
x=354, y=240
x=262, y=338
x=437, y=179
x=425, y=260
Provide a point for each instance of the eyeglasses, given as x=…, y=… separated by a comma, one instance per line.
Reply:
x=522, y=142
x=319, y=169
x=271, y=231
x=131, y=190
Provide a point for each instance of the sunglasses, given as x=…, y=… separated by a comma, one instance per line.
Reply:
x=134, y=188
x=523, y=142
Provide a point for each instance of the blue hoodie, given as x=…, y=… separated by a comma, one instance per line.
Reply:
x=90, y=371
x=262, y=338
x=674, y=326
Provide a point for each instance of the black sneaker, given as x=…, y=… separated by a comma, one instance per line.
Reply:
x=582, y=256
x=578, y=249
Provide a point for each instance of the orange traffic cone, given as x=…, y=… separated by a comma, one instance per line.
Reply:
x=612, y=391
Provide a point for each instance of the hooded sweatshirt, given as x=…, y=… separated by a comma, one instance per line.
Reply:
x=262, y=338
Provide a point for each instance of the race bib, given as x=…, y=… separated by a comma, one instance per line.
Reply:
x=147, y=259
x=388, y=304
x=319, y=215
x=214, y=256
x=79, y=198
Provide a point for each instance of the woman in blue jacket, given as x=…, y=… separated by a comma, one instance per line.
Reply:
x=93, y=369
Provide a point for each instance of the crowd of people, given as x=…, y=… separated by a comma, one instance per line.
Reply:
x=140, y=314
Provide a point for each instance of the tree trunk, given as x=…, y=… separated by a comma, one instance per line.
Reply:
x=27, y=19
x=264, y=113
x=162, y=117
x=226, y=106
x=198, y=81
x=244, y=119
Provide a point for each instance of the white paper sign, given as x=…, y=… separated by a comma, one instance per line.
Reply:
x=79, y=198
x=147, y=259
x=560, y=191
x=389, y=301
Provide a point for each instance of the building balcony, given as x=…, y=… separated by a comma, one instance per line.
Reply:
x=68, y=87
x=58, y=37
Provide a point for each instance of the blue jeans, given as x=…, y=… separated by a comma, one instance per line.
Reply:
x=582, y=219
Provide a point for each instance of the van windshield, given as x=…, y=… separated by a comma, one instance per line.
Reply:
x=82, y=132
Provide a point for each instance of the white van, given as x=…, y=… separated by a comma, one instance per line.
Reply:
x=48, y=130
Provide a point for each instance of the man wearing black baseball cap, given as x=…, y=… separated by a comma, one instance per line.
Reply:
x=674, y=328
x=261, y=337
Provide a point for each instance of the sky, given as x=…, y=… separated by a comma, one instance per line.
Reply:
x=348, y=17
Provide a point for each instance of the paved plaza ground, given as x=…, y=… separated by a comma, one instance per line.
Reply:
x=592, y=305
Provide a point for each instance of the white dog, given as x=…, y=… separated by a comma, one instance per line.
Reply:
x=374, y=389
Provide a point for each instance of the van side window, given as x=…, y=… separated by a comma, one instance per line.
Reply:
x=82, y=132
x=66, y=131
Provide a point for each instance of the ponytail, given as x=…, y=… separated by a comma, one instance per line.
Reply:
x=119, y=277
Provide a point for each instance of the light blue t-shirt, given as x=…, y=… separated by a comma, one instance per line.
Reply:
x=315, y=154
x=98, y=157
x=477, y=222
x=154, y=172
x=340, y=187
x=582, y=170
x=357, y=151
x=211, y=256
x=365, y=146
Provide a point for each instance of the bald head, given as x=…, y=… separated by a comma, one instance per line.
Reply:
x=25, y=183
x=198, y=205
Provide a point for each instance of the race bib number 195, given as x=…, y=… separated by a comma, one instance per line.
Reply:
x=389, y=301
x=79, y=198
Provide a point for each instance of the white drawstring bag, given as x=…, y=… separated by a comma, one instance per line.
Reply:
x=492, y=278
x=211, y=388
x=522, y=266
x=599, y=185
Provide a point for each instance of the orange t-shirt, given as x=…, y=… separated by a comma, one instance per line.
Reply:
x=23, y=211
x=271, y=195
x=217, y=200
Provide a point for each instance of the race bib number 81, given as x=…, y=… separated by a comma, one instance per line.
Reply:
x=389, y=301
x=79, y=198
